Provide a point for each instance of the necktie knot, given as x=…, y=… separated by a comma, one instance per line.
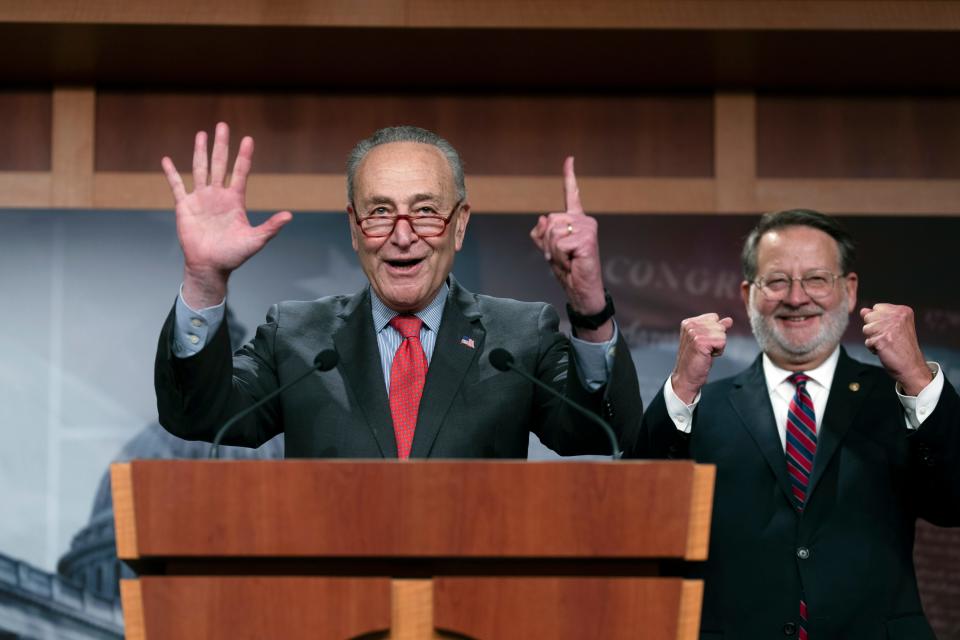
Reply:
x=407, y=326
x=798, y=379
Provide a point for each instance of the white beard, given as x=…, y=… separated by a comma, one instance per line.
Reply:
x=771, y=340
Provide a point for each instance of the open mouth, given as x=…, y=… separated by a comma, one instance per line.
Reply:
x=797, y=319
x=404, y=264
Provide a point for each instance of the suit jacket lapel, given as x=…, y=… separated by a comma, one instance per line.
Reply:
x=356, y=344
x=847, y=391
x=751, y=400
x=448, y=366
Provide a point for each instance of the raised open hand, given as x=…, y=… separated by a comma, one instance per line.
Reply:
x=212, y=224
x=569, y=243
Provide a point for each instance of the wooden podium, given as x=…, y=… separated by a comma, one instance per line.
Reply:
x=425, y=549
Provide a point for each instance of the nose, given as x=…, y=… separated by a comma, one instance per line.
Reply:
x=796, y=296
x=403, y=235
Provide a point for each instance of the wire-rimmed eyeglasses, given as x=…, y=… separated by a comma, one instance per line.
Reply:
x=816, y=284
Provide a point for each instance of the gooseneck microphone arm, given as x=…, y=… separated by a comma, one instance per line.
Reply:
x=325, y=360
x=502, y=360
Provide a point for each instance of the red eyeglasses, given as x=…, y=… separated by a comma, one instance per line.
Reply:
x=427, y=225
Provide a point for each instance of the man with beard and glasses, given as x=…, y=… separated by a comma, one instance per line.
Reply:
x=413, y=378
x=823, y=463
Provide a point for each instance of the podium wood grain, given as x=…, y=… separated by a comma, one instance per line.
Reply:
x=411, y=550
x=567, y=608
x=255, y=607
x=474, y=510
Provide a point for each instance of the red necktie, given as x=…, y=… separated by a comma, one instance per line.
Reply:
x=801, y=449
x=801, y=438
x=407, y=375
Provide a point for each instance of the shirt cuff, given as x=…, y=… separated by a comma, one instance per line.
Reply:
x=595, y=360
x=193, y=329
x=919, y=407
x=679, y=411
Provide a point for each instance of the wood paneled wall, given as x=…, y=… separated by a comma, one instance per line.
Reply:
x=25, y=130
x=611, y=135
x=858, y=137
x=611, y=14
x=719, y=152
x=701, y=106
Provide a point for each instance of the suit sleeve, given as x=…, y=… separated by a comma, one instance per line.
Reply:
x=618, y=402
x=935, y=461
x=198, y=394
x=656, y=436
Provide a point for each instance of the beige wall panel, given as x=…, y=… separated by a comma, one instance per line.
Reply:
x=72, y=147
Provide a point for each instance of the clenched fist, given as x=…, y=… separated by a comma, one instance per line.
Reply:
x=890, y=332
x=702, y=339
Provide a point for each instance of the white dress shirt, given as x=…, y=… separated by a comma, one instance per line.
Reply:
x=916, y=408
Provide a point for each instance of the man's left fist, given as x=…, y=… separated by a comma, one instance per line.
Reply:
x=890, y=332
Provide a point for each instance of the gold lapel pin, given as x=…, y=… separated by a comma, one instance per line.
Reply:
x=854, y=386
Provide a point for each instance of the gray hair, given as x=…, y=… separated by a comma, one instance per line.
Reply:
x=797, y=218
x=405, y=133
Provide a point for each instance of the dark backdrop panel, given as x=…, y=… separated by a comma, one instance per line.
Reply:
x=25, y=129
x=513, y=134
x=865, y=136
x=85, y=294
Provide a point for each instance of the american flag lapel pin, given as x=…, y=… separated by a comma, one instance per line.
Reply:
x=468, y=342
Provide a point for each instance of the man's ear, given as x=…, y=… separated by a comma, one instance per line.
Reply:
x=745, y=295
x=850, y=282
x=351, y=218
x=461, y=225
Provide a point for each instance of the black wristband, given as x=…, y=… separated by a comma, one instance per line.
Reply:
x=581, y=321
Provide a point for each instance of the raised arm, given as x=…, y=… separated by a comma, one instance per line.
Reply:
x=215, y=234
x=890, y=332
x=702, y=339
x=569, y=243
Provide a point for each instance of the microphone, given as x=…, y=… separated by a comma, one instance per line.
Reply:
x=325, y=360
x=502, y=360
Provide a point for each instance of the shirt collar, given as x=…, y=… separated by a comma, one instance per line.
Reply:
x=822, y=375
x=431, y=314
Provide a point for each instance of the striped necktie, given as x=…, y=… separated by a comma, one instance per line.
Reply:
x=801, y=439
x=801, y=449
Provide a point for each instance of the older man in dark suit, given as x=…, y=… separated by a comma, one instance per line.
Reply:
x=413, y=378
x=823, y=463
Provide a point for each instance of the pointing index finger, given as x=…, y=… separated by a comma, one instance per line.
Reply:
x=571, y=191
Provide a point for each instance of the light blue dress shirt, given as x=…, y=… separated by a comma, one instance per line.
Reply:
x=195, y=328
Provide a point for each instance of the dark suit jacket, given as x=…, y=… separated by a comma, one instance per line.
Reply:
x=468, y=410
x=850, y=551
